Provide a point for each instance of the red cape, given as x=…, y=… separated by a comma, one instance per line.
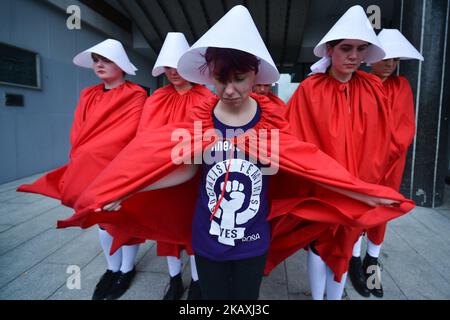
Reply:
x=166, y=106
x=300, y=211
x=275, y=99
x=403, y=127
x=104, y=123
x=350, y=122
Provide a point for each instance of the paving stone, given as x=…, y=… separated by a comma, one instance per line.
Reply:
x=297, y=277
x=274, y=286
x=79, y=251
x=31, y=228
x=16, y=213
x=431, y=249
x=4, y=227
x=36, y=284
x=13, y=185
x=152, y=263
x=89, y=277
x=412, y=273
x=8, y=195
x=24, y=198
x=146, y=286
x=432, y=221
x=31, y=253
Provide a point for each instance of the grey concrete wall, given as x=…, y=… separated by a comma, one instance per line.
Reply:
x=425, y=23
x=35, y=138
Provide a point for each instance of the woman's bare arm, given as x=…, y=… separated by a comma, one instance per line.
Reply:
x=371, y=201
x=179, y=176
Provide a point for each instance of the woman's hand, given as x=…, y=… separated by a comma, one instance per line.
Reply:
x=113, y=206
x=369, y=200
x=375, y=202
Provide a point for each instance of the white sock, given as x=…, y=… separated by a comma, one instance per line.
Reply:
x=129, y=254
x=114, y=261
x=372, y=249
x=317, y=275
x=335, y=289
x=357, y=248
x=174, y=265
x=194, y=273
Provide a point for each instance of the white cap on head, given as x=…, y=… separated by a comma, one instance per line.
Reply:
x=397, y=46
x=174, y=46
x=352, y=25
x=110, y=49
x=235, y=30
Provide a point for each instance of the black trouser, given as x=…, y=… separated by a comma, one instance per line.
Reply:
x=235, y=280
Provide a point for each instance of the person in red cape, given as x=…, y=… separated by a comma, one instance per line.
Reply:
x=229, y=213
x=105, y=120
x=402, y=121
x=266, y=90
x=172, y=104
x=344, y=112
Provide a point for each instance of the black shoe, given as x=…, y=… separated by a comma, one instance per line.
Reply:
x=104, y=285
x=175, y=289
x=121, y=285
x=373, y=274
x=358, y=277
x=194, y=292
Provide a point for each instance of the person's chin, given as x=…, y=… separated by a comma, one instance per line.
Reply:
x=232, y=102
x=351, y=69
x=177, y=82
x=102, y=75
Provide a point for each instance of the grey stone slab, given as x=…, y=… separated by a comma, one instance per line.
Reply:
x=152, y=263
x=435, y=250
x=13, y=185
x=4, y=227
x=444, y=213
x=31, y=253
x=297, y=276
x=446, y=202
x=84, y=248
x=89, y=277
x=274, y=286
x=16, y=213
x=412, y=273
x=147, y=286
x=36, y=284
x=80, y=251
x=31, y=228
x=144, y=249
x=433, y=222
x=24, y=198
x=92, y=263
x=401, y=221
x=8, y=195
